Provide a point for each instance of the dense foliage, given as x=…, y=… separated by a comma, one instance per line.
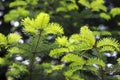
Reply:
x=81, y=47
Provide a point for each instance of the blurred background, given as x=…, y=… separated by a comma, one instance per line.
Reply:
x=71, y=14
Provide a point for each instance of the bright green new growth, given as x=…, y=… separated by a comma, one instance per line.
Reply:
x=89, y=39
x=41, y=22
x=98, y=5
x=33, y=25
x=2, y=39
x=95, y=61
x=108, y=44
x=115, y=11
x=16, y=50
x=58, y=52
x=18, y=3
x=118, y=61
x=81, y=41
x=29, y=25
x=95, y=5
x=105, y=16
x=2, y=61
x=54, y=28
x=17, y=13
x=63, y=41
x=13, y=37
x=16, y=70
x=84, y=2
x=10, y=39
x=73, y=58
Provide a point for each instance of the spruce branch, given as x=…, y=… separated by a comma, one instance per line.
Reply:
x=33, y=57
